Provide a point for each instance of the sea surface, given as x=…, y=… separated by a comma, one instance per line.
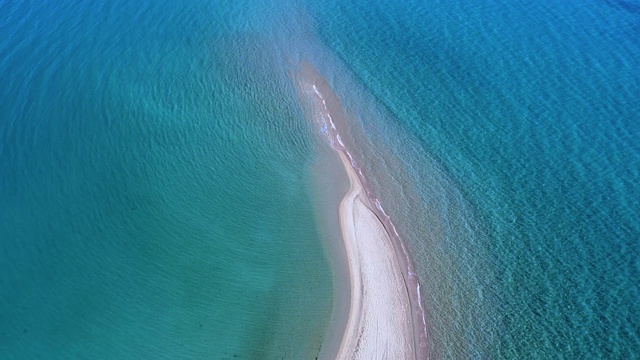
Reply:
x=159, y=181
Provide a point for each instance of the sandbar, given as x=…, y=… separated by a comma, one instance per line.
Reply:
x=380, y=323
x=380, y=317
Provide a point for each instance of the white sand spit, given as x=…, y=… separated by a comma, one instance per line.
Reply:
x=379, y=324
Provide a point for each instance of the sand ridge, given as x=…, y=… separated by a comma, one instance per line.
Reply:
x=380, y=322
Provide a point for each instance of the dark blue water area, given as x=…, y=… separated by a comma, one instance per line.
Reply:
x=532, y=108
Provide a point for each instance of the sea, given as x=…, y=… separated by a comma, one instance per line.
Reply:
x=162, y=194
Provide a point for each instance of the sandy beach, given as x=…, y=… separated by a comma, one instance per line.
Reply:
x=380, y=322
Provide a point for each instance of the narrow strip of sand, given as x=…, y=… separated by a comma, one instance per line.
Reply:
x=379, y=324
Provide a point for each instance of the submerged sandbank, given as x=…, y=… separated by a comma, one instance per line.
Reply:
x=385, y=319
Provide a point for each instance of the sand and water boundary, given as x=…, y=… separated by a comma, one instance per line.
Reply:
x=385, y=317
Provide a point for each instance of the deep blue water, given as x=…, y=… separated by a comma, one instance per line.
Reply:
x=531, y=109
x=500, y=135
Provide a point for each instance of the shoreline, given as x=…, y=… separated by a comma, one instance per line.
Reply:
x=379, y=322
x=385, y=316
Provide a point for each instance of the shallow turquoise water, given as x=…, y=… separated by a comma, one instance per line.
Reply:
x=154, y=188
x=155, y=197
